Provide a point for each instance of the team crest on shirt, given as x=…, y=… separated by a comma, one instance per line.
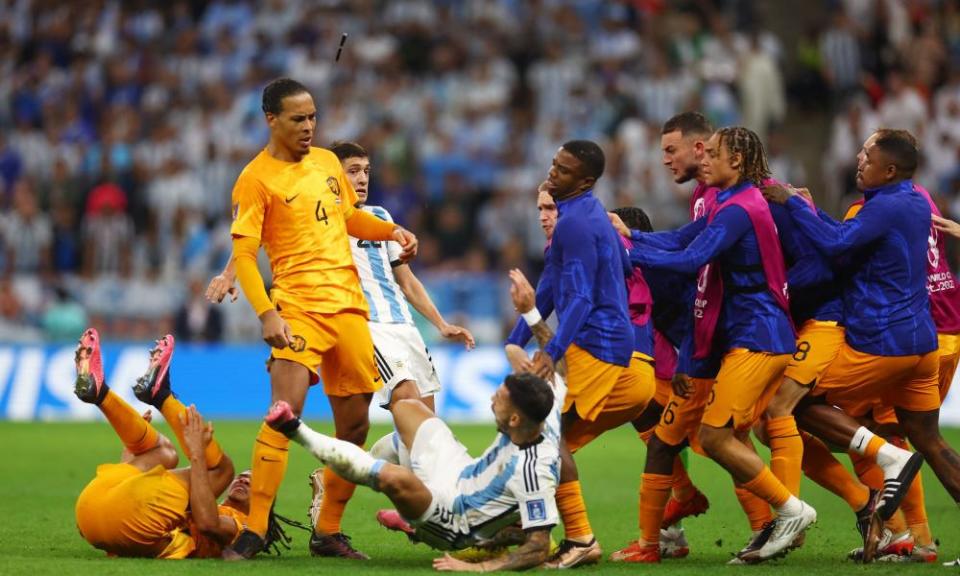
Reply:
x=536, y=510
x=334, y=187
x=298, y=343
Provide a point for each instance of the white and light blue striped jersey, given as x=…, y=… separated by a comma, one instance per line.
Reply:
x=374, y=265
x=508, y=480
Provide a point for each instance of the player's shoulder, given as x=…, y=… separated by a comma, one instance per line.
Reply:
x=378, y=211
x=325, y=158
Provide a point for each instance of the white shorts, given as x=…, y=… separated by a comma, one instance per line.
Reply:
x=437, y=458
x=402, y=355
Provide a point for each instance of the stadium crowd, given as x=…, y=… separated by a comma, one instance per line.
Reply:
x=124, y=124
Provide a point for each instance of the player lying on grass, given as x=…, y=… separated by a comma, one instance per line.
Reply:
x=144, y=506
x=453, y=500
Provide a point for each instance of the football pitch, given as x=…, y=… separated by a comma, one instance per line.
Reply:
x=46, y=465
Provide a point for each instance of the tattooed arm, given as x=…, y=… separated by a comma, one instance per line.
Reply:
x=532, y=553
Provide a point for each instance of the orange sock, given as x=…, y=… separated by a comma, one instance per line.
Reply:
x=822, y=467
x=758, y=512
x=897, y=524
x=766, y=486
x=868, y=471
x=654, y=493
x=913, y=504
x=137, y=434
x=171, y=409
x=873, y=447
x=336, y=494
x=683, y=488
x=573, y=510
x=786, y=452
x=269, y=465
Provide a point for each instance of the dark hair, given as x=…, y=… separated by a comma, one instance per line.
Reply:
x=743, y=141
x=276, y=91
x=901, y=147
x=589, y=154
x=688, y=123
x=635, y=218
x=346, y=149
x=531, y=395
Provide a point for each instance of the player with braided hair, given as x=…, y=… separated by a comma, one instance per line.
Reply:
x=742, y=309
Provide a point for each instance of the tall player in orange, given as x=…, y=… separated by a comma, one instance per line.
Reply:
x=296, y=201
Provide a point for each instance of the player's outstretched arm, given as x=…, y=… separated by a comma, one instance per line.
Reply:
x=419, y=298
x=524, y=300
x=223, y=284
x=203, y=504
x=532, y=553
x=946, y=225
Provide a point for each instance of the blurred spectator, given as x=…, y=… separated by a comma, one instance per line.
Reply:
x=28, y=233
x=64, y=319
x=197, y=320
x=107, y=232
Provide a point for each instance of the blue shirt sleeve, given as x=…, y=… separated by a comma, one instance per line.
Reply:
x=521, y=333
x=576, y=276
x=670, y=239
x=834, y=238
x=728, y=226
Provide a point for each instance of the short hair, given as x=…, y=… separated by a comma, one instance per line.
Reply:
x=346, y=149
x=531, y=395
x=589, y=154
x=901, y=146
x=744, y=141
x=635, y=218
x=688, y=123
x=276, y=91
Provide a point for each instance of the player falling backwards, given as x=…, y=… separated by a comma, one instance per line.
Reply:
x=296, y=200
x=144, y=505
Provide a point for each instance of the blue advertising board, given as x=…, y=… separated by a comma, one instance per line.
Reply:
x=224, y=381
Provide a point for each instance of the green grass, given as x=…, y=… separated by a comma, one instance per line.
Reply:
x=45, y=466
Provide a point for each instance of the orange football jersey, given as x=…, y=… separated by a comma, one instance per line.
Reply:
x=298, y=210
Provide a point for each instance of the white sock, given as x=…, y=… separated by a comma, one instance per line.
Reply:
x=792, y=507
x=891, y=459
x=386, y=448
x=860, y=441
x=349, y=461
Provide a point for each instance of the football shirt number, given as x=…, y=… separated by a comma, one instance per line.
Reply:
x=321, y=210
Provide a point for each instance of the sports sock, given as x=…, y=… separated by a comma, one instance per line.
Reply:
x=336, y=494
x=573, y=511
x=766, y=486
x=822, y=467
x=386, y=448
x=786, y=452
x=757, y=510
x=913, y=504
x=683, y=488
x=269, y=465
x=171, y=409
x=347, y=460
x=897, y=524
x=867, y=470
x=654, y=493
x=137, y=434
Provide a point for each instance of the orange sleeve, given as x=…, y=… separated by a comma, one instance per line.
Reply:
x=366, y=226
x=245, y=260
x=249, y=206
x=853, y=210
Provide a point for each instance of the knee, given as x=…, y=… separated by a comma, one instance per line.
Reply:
x=660, y=450
x=166, y=453
x=711, y=439
x=406, y=390
x=760, y=431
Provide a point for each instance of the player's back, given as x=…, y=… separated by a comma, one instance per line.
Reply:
x=298, y=210
x=375, y=262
